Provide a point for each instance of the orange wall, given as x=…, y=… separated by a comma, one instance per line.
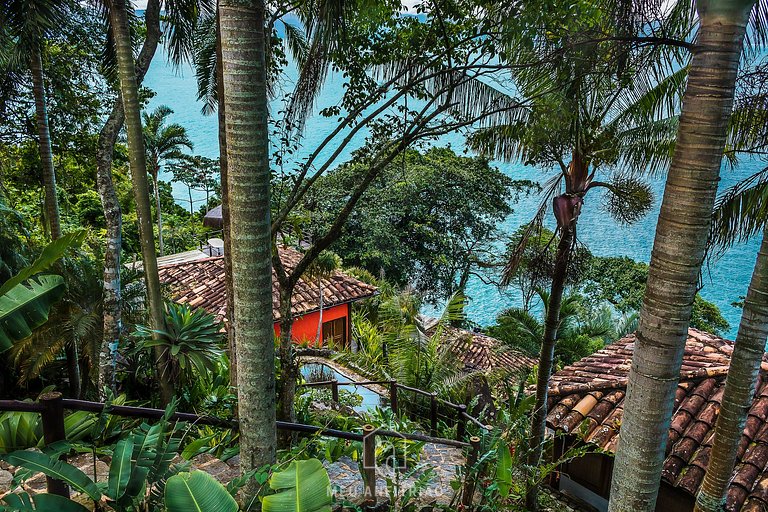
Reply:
x=304, y=328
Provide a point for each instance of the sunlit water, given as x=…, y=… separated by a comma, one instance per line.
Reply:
x=724, y=280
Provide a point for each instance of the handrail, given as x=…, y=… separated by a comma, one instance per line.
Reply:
x=51, y=408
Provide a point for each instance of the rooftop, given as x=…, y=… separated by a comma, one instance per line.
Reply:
x=587, y=399
x=200, y=283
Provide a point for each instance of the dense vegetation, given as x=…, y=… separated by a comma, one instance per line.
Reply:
x=594, y=94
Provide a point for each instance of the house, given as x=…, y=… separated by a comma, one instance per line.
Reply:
x=200, y=283
x=586, y=403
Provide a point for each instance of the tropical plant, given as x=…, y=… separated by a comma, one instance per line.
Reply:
x=163, y=143
x=129, y=93
x=244, y=76
x=580, y=332
x=679, y=248
x=190, y=343
x=28, y=24
x=303, y=486
x=141, y=464
x=197, y=491
x=26, y=298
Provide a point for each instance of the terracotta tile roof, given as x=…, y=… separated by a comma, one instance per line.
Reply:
x=587, y=399
x=200, y=283
x=480, y=352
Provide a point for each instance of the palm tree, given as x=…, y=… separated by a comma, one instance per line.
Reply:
x=590, y=123
x=163, y=143
x=326, y=264
x=243, y=47
x=29, y=23
x=118, y=15
x=678, y=252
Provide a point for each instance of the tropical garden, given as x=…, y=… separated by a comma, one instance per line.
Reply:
x=428, y=150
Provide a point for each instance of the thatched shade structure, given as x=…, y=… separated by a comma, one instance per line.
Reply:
x=213, y=219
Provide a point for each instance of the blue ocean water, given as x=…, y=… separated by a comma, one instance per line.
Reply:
x=724, y=281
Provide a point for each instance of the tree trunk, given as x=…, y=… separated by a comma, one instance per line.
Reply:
x=53, y=221
x=546, y=359
x=320, y=315
x=678, y=252
x=161, y=246
x=111, y=297
x=137, y=157
x=289, y=368
x=248, y=179
x=225, y=210
x=739, y=387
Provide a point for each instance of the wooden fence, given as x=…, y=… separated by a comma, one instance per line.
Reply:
x=460, y=410
x=51, y=407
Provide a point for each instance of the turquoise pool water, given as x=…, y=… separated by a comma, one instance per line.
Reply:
x=370, y=399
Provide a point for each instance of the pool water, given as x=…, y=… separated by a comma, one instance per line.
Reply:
x=370, y=399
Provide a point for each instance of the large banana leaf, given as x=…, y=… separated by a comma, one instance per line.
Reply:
x=50, y=255
x=197, y=492
x=120, y=468
x=25, y=307
x=54, y=468
x=304, y=487
x=23, y=502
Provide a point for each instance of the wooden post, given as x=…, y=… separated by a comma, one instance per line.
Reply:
x=469, y=479
x=433, y=414
x=52, y=417
x=335, y=391
x=393, y=396
x=369, y=464
x=461, y=424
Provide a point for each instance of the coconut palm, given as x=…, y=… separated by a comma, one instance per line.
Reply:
x=163, y=143
x=28, y=24
x=599, y=131
x=244, y=77
x=679, y=248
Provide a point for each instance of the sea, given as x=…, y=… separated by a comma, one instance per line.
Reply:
x=724, y=281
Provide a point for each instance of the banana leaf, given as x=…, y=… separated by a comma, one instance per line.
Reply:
x=60, y=470
x=197, y=492
x=25, y=307
x=23, y=502
x=120, y=468
x=303, y=487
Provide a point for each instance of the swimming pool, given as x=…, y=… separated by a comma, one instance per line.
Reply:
x=370, y=398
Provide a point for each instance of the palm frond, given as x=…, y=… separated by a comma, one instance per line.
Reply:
x=741, y=212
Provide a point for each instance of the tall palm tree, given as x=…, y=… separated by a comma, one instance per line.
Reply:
x=588, y=124
x=118, y=15
x=678, y=252
x=243, y=47
x=29, y=23
x=163, y=143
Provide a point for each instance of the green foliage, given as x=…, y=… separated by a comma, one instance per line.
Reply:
x=621, y=282
x=197, y=491
x=303, y=486
x=395, y=452
x=427, y=220
x=191, y=342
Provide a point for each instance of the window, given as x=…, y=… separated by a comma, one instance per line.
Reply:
x=335, y=332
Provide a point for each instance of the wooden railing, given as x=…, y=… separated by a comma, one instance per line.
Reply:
x=460, y=410
x=51, y=407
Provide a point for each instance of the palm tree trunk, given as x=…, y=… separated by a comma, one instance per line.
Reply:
x=225, y=210
x=546, y=360
x=678, y=252
x=53, y=220
x=739, y=387
x=160, y=244
x=112, y=299
x=137, y=157
x=248, y=179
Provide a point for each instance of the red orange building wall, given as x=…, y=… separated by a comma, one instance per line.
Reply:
x=304, y=329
